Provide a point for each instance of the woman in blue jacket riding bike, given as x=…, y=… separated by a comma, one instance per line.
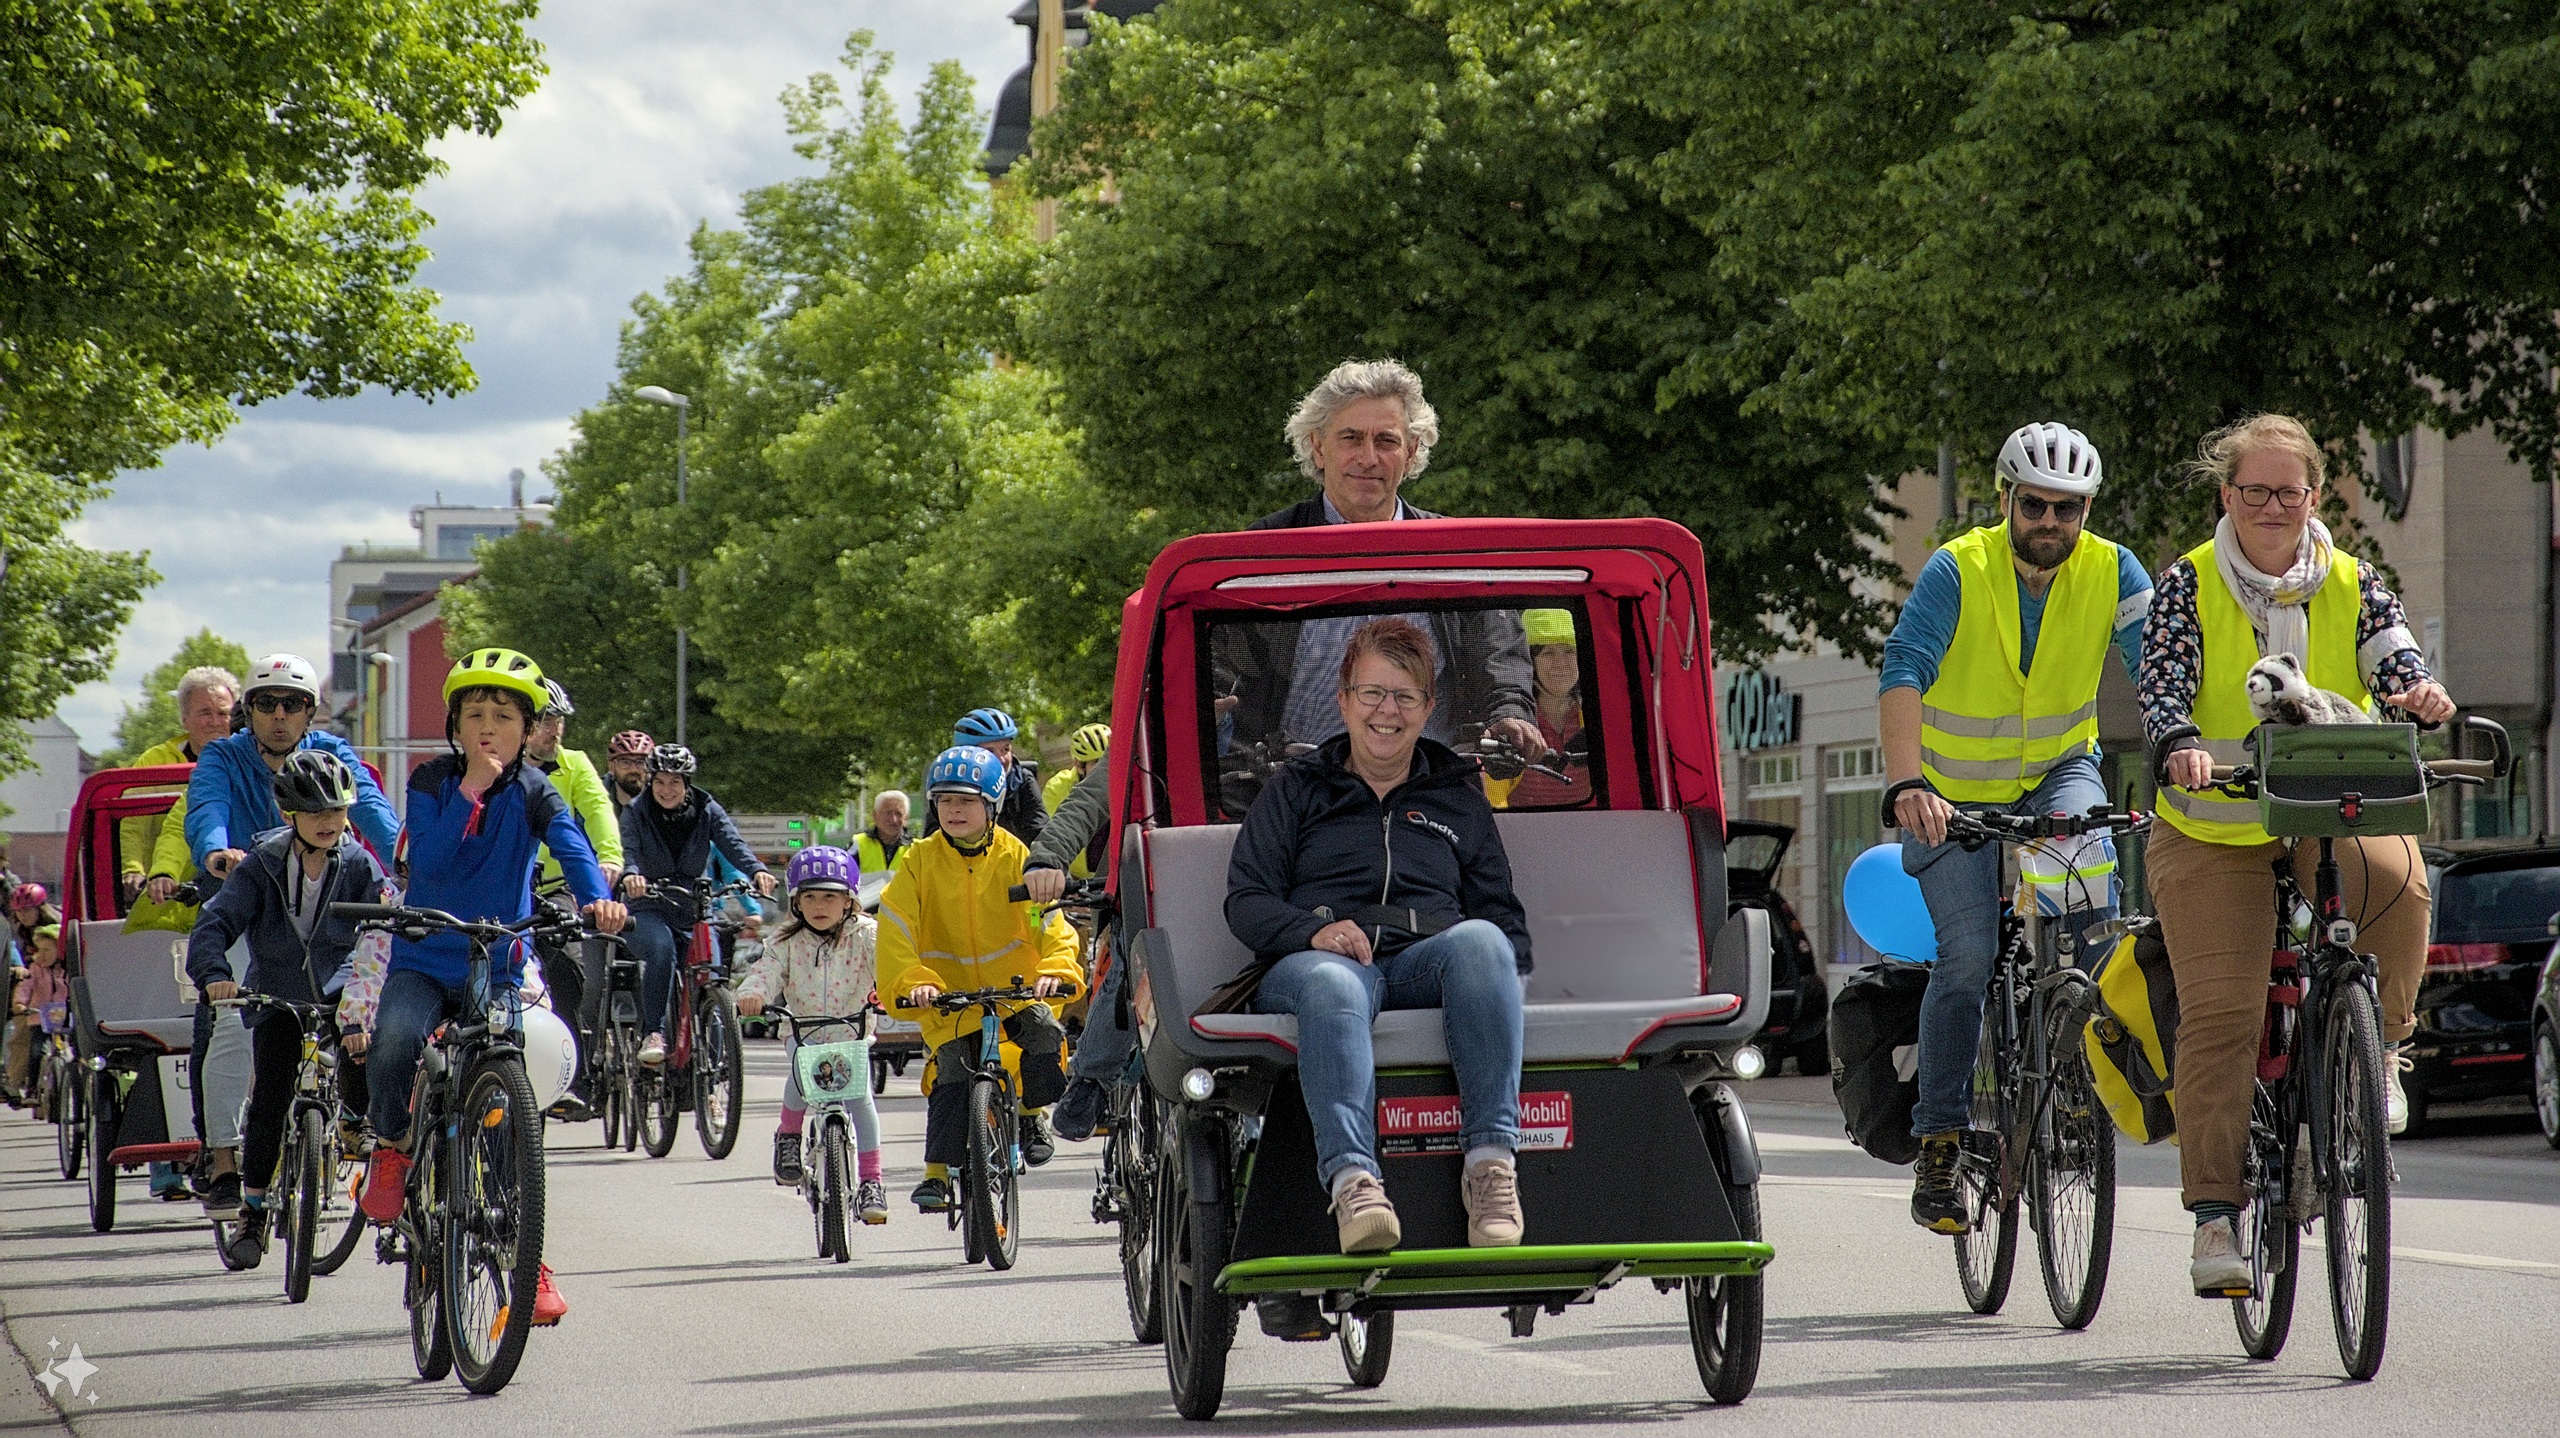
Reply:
x=668, y=833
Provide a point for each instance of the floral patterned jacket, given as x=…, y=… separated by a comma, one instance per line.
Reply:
x=808, y=972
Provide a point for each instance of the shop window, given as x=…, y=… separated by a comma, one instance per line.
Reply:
x=1852, y=788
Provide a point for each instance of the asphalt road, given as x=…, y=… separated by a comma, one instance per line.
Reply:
x=697, y=1308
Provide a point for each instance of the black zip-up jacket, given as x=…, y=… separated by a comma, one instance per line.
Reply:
x=1318, y=836
x=258, y=905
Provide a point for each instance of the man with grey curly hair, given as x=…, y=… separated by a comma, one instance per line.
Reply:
x=1361, y=433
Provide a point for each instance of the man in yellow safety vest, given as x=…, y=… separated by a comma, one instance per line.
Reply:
x=1989, y=701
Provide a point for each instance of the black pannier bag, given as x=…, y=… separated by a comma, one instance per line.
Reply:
x=1875, y=1054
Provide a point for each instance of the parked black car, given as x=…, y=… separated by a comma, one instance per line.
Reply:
x=1799, y=999
x=2487, y=948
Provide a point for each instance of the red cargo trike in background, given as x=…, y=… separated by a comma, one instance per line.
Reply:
x=1639, y=1161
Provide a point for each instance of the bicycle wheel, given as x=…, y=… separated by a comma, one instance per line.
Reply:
x=1987, y=1251
x=994, y=1220
x=299, y=1186
x=607, y=1077
x=718, y=1071
x=2269, y=1238
x=835, y=1194
x=2071, y=1181
x=1368, y=1345
x=1133, y=1160
x=2351, y=1135
x=422, y=1289
x=1727, y=1312
x=341, y=1223
x=70, y=1114
x=654, y=1114
x=493, y=1253
x=1191, y=1249
x=104, y=1115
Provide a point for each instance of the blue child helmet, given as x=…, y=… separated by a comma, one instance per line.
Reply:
x=967, y=769
x=980, y=725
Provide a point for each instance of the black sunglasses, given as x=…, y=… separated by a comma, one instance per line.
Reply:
x=279, y=703
x=2032, y=509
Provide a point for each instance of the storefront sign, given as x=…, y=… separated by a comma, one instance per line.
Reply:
x=1759, y=713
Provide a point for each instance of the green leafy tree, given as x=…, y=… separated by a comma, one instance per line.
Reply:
x=2147, y=219
x=155, y=719
x=868, y=526
x=1272, y=188
x=204, y=206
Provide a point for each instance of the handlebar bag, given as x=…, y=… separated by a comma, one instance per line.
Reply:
x=2305, y=772
x=1875, y=1050
x=2132, y=1039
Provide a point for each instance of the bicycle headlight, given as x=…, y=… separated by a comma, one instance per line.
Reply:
x=1198, y=1085
x=1748, y=1062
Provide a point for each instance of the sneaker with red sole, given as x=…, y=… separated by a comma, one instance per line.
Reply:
x=386, y=1183
x=548, y=1306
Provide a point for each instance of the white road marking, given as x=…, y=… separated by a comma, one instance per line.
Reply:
x=1509, y=1353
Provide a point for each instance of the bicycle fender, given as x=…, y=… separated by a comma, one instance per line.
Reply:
x=1733, y=1129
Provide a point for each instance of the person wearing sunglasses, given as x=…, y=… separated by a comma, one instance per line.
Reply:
x=1989, y=701
x=231, y=796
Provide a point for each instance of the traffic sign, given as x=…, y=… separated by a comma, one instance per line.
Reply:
x=776, y=836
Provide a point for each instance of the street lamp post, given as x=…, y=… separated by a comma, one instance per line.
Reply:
x=682, y=405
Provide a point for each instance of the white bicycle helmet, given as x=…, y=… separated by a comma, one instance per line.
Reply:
x=550, y=1056
x=289, y=672
x=2051, y=456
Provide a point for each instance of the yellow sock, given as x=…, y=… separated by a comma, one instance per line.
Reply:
x=937, y=1170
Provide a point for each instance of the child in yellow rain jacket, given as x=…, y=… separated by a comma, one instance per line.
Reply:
x=946, y=925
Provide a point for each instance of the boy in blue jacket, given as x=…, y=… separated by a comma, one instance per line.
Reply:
x=280, y=902
x=478, y=819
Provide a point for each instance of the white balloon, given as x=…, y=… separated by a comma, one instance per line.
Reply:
x=550, y=1056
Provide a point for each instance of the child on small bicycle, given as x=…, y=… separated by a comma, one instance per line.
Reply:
x=822, y=961
x=278, y=899
x=41, y=987
x=947, y=924
x=478, y=819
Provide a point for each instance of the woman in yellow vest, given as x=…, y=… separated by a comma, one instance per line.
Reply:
x=2268, y=582
x=1989, y=700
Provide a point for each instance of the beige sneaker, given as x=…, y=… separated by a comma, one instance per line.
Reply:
x=1366, y=1220
x=2218, y=1270
x=1491, y=1191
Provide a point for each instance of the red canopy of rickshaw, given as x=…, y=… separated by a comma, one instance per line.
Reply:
x=1642, y=582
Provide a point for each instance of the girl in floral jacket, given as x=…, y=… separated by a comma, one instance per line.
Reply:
x=822, y=962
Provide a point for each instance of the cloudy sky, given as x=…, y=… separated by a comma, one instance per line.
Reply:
x=657, y=115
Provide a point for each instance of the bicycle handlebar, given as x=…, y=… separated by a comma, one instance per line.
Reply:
x=1080, y=894
x=798, y=1021
x=952, y=1002
x=2028, y=828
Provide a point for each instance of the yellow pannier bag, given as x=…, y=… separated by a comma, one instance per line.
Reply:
x=2132, y=1039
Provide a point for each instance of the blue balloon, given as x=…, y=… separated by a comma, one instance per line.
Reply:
x=1885, y=907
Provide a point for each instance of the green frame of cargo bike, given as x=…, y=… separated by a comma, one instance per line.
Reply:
x=1379, y=1279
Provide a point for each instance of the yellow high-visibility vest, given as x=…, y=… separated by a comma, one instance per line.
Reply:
x=1989, y=731
x=2222, y=693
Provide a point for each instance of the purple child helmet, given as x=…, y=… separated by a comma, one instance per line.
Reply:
x=823, y=867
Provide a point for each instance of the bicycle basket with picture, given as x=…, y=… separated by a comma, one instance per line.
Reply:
x=836, y=1072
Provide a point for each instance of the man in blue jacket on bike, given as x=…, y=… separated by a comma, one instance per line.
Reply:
x=231, y=796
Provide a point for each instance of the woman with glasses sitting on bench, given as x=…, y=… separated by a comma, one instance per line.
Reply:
x=1369, y=875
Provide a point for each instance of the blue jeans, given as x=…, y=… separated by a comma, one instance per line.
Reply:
x=653, y=937
x=412, y=1005
x=1963, y=893
x=1468, y=972
x=1103, y=1050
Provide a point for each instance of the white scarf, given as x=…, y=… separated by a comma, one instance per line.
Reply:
x=2278, y=605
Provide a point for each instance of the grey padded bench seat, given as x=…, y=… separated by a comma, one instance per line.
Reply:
x=1613, y=921
x=132, y=981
